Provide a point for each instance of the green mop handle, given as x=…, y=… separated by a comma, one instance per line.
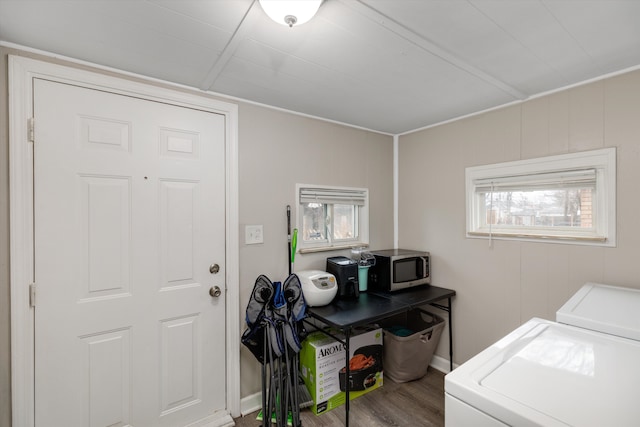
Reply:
x=294, y=244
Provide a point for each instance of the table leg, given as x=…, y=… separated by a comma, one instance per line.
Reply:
x=449, y=310
x=450, y=336
x=347, y=381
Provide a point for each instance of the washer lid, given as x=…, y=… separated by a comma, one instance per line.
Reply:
x=609, y=309
x=550, y=374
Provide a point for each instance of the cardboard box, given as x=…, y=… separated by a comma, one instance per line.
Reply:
x=322, y=364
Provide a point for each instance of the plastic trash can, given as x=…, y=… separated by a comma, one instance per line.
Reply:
x=410, y=340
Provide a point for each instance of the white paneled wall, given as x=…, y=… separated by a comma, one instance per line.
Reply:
x=505, y=285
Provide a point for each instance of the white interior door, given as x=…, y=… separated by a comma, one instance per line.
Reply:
x=129, y=211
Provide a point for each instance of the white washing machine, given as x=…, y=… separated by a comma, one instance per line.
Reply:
x=582, y=370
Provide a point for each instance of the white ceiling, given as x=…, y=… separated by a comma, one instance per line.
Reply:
x=388, y=65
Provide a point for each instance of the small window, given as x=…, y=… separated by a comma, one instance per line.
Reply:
x=332, y=217
x=567, y=198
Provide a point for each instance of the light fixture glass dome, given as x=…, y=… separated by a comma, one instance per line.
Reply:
x=290, y=12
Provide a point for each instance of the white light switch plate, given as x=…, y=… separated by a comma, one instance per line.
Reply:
x=253, y=234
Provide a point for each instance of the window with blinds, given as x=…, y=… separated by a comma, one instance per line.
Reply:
x=568, y=198
x=331, y=217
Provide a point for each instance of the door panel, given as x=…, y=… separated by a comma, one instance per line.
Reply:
x=129, y=214
x=107, y=359
x=179, y=357
x=105, y=215
x=177, y=222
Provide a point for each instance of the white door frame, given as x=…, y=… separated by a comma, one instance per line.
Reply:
x=21, y=72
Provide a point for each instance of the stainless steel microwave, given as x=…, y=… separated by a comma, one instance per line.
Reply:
x=397, y=269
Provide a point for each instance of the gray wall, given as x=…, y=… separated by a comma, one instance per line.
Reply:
x=502, y=287
x=276, y=151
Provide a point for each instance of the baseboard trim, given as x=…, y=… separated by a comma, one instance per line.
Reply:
x=250, y=403
x=441, y=364
x=224, y=420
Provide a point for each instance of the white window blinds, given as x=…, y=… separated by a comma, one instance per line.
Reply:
x=585, y=178
x=333, y=196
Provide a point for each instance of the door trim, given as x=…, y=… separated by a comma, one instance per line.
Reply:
x=21, y=73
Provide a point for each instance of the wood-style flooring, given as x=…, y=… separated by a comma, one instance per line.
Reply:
x=417, y=403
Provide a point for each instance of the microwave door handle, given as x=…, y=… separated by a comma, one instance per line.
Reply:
x=424, y=267
x=419, y=267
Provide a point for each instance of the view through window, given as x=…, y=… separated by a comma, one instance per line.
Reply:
x=541, y=208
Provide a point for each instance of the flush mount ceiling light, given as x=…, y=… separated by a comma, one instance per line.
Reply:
x=290, y=12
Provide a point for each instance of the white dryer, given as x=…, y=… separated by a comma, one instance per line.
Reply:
x=556, y=373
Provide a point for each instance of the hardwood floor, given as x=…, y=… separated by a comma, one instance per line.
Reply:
x=417, y=403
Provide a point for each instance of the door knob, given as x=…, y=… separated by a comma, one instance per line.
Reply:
x=214, y=268
x=215, y=291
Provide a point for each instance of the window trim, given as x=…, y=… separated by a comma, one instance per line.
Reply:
x=361, y=201
x=603, y=161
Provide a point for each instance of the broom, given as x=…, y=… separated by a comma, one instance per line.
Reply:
x=304, y=397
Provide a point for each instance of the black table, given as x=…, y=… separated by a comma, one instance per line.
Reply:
x=373, y=306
